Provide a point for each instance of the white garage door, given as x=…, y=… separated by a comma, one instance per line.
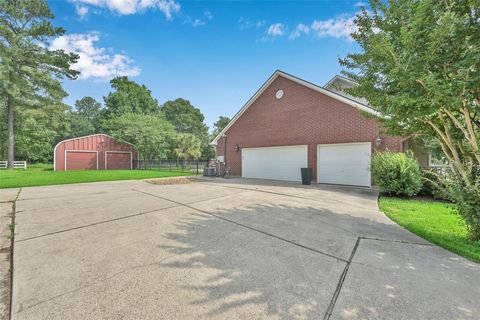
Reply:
x=276, y=163
x=347, y=163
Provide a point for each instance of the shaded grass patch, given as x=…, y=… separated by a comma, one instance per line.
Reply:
x=435, y=221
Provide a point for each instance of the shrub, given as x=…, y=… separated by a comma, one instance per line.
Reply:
x=433, y=185
x=464, y=191
x=396, y=173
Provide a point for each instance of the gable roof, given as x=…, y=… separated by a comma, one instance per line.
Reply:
x=302, y=82
x=338, y=78
x=338, y=83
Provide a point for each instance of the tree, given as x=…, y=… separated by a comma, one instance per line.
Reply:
x=90, y=110
x=129, y=97
x=187, y=146
x=80, y=125
x=37, y=130
x=219, y=125
x=86, y=117
x=208, y=151
x=188, y=119
x=29, y=71
x=185, y=117
x=150, y=133
x=420, y=68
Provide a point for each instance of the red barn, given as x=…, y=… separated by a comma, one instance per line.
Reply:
x=94, y=152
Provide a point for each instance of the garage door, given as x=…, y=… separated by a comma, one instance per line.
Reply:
x=347, y=163
x=118, y=160
x=81, y=160
x=276, y=163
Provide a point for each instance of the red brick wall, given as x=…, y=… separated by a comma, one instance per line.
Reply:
x=302, y=116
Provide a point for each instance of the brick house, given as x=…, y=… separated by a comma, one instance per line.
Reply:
x=290, y=123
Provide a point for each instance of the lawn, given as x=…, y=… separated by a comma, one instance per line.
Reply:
x=43, y=174
x=435, y=221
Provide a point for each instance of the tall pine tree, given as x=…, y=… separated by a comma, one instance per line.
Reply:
x=29, y=71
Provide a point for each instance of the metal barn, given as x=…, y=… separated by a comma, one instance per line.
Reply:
x=94, y=152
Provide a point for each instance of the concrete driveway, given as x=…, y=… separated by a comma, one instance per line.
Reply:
x=227, y=249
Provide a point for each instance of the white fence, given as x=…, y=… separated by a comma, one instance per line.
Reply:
x=16, y=164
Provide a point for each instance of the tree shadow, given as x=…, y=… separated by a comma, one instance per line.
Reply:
x=266, y=261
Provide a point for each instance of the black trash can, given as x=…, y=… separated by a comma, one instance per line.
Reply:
x=306, y=176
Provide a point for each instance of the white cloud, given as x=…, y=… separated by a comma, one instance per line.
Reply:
x=94, y=62
x=360, y=4
x=246, y=23
x=81, y=10
x=197, y=23
x=340, y=27
x=208, y=14
x=126, y=7
x=194, y=22
x=275, y=30
x=168, y=7
x=299, y=30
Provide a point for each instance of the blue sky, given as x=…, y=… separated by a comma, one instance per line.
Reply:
x=215, y=54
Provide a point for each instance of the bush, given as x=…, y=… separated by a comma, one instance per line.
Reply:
x=464, y=191
x=396, y=173
x=433, y=185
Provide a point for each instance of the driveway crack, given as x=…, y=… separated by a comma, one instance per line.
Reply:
x=333, y=301
x=96, y=223
x=138, y=266
x=248, y=227
x=336, y=293
x=268, y=192
x=400, y=241
x=12, y=242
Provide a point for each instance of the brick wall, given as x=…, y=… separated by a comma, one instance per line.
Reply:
x=301, y=116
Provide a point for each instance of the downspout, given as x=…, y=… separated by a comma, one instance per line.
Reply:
x=225, y=153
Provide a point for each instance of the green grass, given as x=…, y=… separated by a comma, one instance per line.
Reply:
x=43, y=175
x=435, y=221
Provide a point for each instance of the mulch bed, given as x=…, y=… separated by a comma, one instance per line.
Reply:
x=174, y=180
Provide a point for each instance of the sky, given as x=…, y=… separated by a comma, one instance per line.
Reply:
x=214, y=53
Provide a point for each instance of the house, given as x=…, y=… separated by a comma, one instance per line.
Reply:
x=94, y=152
x=290, y=123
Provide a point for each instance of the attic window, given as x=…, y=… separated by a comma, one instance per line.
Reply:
x=279, y=94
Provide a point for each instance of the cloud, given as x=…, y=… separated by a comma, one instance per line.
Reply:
x=360, y=4
x=340, y=27
x=81, y=10
x=127, y=7
x=194, y=22
x=94, y=62
x=197, y=23
x=299, y=30
x=275, y=30
x=208, y=14
x=246, y=23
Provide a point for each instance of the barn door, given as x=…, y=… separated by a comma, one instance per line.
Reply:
x=81, y=160
x=118, y=160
